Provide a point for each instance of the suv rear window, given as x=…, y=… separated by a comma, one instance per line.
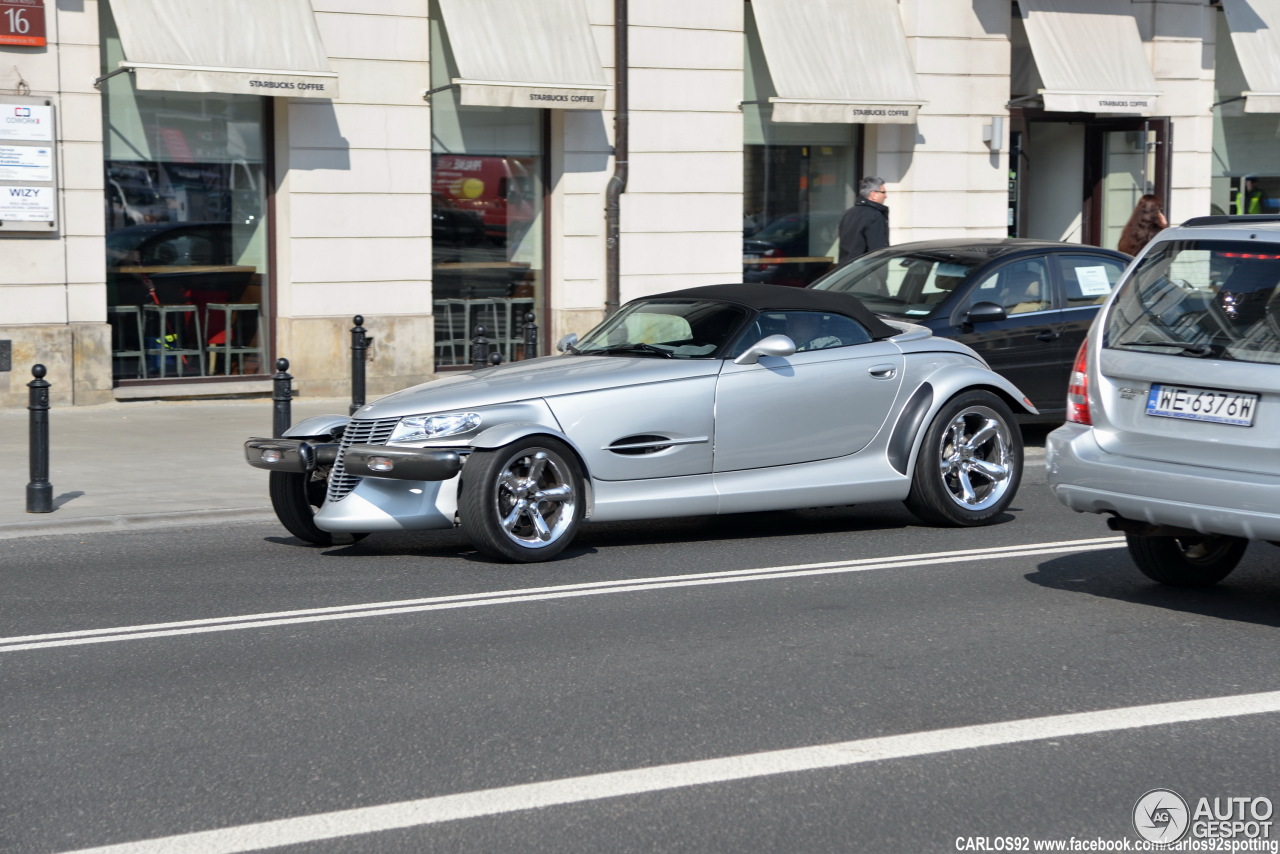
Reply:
x=1201, y=298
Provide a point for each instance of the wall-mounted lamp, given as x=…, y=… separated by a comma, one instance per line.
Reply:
x=993, y=134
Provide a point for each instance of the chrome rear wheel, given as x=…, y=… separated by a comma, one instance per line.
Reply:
x=970, y=462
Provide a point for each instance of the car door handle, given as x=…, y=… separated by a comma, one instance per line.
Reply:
x=1048, y=335
x=883, y=372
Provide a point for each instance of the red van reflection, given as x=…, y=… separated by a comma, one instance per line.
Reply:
x=501, y=190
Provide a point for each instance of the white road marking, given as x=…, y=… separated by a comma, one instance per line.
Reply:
x=594, y=787
x=538, y=594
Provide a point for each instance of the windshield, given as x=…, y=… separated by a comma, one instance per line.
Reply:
x=903, y=285
x=679, y=329
x=1197, y=298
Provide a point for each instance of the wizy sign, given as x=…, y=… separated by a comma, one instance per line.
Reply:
x=22, y=23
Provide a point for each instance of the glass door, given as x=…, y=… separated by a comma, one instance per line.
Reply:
x=1127, y=158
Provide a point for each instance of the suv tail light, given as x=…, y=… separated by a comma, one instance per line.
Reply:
x=1078, y=388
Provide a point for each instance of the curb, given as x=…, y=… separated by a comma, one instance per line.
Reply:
x=134, y=521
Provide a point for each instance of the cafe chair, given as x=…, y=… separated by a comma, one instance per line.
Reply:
x=126, y=340
x=172, y=334
x=238, y=341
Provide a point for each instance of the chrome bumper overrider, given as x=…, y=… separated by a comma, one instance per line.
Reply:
x=293, y=455
x=297, y=455
x=425, y=464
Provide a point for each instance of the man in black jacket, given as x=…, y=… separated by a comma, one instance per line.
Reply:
x=865, y=226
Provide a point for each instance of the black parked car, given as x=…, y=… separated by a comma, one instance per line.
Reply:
x=1024, y=305
x=791, y=250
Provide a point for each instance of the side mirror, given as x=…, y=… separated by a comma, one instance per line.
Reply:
x=984, y=312
x=770, y=345
x=567, y=341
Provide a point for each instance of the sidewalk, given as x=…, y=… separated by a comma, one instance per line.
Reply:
x=158, y=461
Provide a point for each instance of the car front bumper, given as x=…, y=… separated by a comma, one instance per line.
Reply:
x=1088, y=479
x=379, y=505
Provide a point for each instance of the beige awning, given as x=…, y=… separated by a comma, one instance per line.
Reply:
x=516, y=53
x=1255, y=32
x=838, y=61
x=264, y=47
x=1090, y=56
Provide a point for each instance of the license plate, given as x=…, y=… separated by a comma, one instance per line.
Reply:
x=1202, y=404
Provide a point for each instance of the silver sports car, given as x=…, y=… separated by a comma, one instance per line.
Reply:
x=720, y=399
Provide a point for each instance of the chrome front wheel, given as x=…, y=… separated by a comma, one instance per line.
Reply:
x=523, y=502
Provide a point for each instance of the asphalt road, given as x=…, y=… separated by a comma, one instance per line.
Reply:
x=645, y=693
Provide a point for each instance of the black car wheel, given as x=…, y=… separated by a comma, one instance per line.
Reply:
x=295, y=497
x=1186, y=561
x=970, y=463
x=522, y=502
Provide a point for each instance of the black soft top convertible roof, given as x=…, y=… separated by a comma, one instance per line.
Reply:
x=779, y=298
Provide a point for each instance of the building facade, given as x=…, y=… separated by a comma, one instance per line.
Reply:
x=191, y=190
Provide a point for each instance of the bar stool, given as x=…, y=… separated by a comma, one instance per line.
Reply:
x=126, y=338
x=451, y=331
x=241, y=337
x=171, y=343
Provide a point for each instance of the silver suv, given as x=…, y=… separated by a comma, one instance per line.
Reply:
x=1173, y=411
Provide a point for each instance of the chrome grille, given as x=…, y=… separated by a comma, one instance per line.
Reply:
x=358, y=432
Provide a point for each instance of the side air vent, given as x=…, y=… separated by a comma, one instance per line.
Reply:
x=644, y=443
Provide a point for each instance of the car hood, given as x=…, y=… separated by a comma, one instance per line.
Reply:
x=548, y=376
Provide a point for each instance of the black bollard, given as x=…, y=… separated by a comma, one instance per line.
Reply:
x=480, y=348
x=530, y=336
x=39, y=490
x=282, y=399
x=359, y=349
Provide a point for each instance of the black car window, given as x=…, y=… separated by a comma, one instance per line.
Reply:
x=810, y=330
x=1088, y=279
x=1019, y=287
x=910, y=284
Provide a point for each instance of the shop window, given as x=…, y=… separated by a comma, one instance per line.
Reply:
x=486, y=218
x=798, y=180
x=186, y=229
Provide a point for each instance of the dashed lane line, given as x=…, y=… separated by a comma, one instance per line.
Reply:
x=539, y=594
x=594, y=787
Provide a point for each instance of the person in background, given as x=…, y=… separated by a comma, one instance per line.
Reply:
x=1252, y=200
x=865, y=226
x=1146, y=220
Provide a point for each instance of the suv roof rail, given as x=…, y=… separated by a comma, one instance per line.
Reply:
x=1225, y=219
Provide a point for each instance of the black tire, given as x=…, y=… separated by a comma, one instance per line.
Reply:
x=295, y=498
x=970, y=463
x=1186, y=561
x=523, y=502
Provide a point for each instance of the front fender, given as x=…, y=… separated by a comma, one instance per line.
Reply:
x=317, y=425
x=505, y=434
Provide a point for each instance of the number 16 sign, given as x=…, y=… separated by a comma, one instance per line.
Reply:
x=22, y=22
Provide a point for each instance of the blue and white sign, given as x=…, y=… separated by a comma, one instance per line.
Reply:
x=26, y=163
x=27, y=204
